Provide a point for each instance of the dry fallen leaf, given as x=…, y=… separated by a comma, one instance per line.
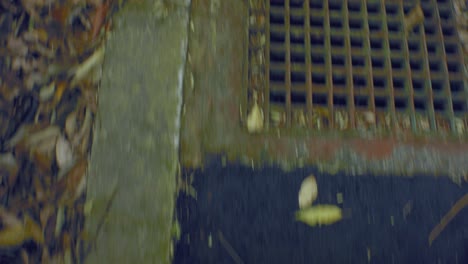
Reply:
x=47, y=92
x=70, y=124
x=43, y=161
x=63, y=153
x=7, y=218
x=47, y=135
x=308, y=192
x=17, y=46
x=69, y=186
x=24, y=256
x=8, y=167
x=81, y=139
x=45, y=214
x=413, y=18
x=12, y=236
x=33, y=230
x=85, y=68
x=59, y=90
x=15, y=232
x=255, y=119
x=45, y=258
x=369, y=117
x=99, y=17
x=320, y=215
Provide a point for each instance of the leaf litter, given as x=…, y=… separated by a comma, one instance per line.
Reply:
x=50, y=55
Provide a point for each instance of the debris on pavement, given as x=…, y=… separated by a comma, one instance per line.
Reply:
x=324, y=214
x=255, y=118
x=407, y=209
x=414, y=18
x=308, y=192
x=456, y=208
x=235, y=257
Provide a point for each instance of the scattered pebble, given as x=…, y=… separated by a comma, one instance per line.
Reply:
x=339, y=198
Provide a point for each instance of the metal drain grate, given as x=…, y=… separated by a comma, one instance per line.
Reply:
x=357, y=65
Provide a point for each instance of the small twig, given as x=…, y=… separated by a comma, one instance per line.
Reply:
x=229, y=249
x=460, y=204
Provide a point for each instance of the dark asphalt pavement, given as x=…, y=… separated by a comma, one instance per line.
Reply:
x=386, y=219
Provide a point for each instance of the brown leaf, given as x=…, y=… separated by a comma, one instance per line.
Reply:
x=18, y=63
x=81, y=139
x=61, y=87
x=67, y=186
x=34, y=78
x=66, y=241
x=61, y=14
x=9, y=166
x=7, y=218
x=45, y=214
x=17, y=46
x=42, y=161
x=8, y=91
x=24, y=256
x=48, y=135
x=33, y=230
x=15, y=232
x=35, y=35
x=70, y=124
x=98, y=18
x=45, y=258
x=38, y=188
x=89, y=96
x=57, y=259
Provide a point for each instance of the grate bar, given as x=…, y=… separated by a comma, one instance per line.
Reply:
x=368, y=66
x=266, y=102
x=288, y=61
x=447, y=91
x=308, y=63
x=328, y=65
x=408, y=89
x=388, y=64
x=349, y=67
x=427, y=76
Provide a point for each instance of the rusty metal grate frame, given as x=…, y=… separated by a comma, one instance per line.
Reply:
x=349, y=65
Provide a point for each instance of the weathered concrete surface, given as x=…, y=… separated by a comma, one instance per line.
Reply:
x=136, y=137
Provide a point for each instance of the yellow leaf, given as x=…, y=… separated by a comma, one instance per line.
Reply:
x=33, y=230
x=15, y=235
x=12, y=236
x=320, y=215
x=255, y=119
x=308, y=192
